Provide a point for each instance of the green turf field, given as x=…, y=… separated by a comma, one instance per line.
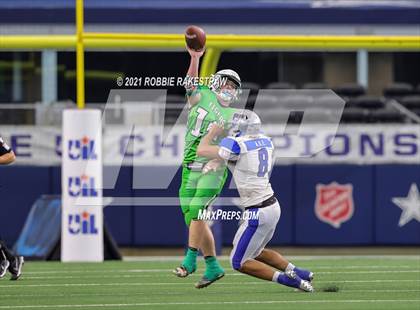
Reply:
x=363, y=282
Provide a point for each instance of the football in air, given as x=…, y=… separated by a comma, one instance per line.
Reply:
x=195, y=37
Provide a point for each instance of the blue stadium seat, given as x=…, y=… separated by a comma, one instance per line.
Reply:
x=411, y=102
x=350, y=90
x=398, y=90
x=280, y=85
x=386, y=116
x=355, y=115
x=368, y=102
x=315, y=85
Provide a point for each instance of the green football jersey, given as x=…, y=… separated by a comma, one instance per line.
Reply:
x=207, y=111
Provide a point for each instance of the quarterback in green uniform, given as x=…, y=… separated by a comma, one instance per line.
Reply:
x=208, y=105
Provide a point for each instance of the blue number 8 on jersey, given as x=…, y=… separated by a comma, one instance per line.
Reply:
x=250, y=159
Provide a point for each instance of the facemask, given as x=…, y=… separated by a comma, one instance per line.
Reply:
x=226, y=96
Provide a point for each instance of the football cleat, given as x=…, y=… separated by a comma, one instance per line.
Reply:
x=204, y=282
x=4, y=264
x=311, y=276
x=15, y=267
x=182, y=272
x=291, y=274
x=305, y=286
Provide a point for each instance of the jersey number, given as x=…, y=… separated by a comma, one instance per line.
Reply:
x=263, y=158
x=200, y=118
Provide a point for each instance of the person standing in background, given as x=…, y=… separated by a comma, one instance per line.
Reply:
x=8, y=261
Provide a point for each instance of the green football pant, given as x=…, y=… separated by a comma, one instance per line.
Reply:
x=198, y=191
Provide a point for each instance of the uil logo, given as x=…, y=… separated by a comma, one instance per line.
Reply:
x=83, y=224
x=82, y=149
x=83, y=186
x=334, y=203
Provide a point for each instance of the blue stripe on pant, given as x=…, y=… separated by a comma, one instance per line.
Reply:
x=244, y=242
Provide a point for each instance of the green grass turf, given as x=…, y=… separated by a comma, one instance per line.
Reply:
x=364, y=283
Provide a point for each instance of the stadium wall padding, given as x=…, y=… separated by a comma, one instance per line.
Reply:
x=366, y=193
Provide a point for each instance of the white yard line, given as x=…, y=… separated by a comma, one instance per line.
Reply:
x=168, y=273
x=368, y=271
x=54, y=294
x=59, y=271
x=63, y=270
x=219, y=303
x=294, y=257
x=20, y=286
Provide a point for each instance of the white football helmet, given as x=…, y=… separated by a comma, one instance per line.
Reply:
x=218, y=81
x=245, y=123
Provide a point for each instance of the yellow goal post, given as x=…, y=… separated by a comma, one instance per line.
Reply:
x=215, y=44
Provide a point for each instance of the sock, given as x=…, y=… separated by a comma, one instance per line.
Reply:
x=192, y=254
x=302, y=273
x=190, y=259
x=6, y=252
x=211, y=261
x=285, y=280
x=275, y=276
x=213, y=268
x=190, y=248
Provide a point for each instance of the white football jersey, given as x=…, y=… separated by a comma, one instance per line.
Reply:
x=250, y=159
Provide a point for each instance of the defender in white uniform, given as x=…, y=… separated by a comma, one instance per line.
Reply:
x=249, y=155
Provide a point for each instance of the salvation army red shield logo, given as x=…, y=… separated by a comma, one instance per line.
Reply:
x=334, y=203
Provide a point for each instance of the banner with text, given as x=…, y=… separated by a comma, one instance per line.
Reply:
x=361, y=144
